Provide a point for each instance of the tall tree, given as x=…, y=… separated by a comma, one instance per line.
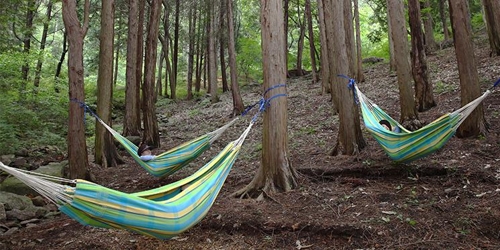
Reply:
x=28, y=33
x=275, y=173
x=77, y=147
x=325, y=70
x=409, y=115
x=430, y=41
x=238, y=105
x=175, y=52
x=443, y=17
x=212, y=61
x=310, y=33
x=392, y=58
x=423, y=86
x=191, y=49
x=43, y=41
x=350, y=138
x=330, y=34
x=222, y=45
x=105, y=150
x=132, y=122
x=360, y=77
x=467, y=68
x=151, y=134
x=300, y=42
x=492, y=19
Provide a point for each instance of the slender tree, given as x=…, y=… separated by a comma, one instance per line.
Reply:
x=430, y=42
x=132, y=122
x=310, y=33
x=324, y=60
x=212, y=61
x=43, y=41
x=409, y=115
x=360, y=77
x=443, y=18
x=330, y=36
x=105, y=150
x=467, y=69
x=300, y=42
x=151, y=134
x=191, y=49
x=423, y=86
x=222, y=45
x=492, y=20
x=238, y=106
x=77, y=147
x=275, y=173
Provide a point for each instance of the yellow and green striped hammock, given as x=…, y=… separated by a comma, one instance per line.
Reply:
x=162, y=212
x=402, y=145
x=174, y=159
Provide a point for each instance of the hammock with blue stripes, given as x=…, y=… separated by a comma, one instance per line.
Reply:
x=402, y=145
x=163, y=212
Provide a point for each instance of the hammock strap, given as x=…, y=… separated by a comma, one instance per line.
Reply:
x=350, y=85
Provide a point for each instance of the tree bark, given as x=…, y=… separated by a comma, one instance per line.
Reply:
x=444, y=23
x=151, y=134
x=191, y=49
x=275, y=174
x=132, y=122
x=330, y=36
x=424, y=96
x=300, y=42
x=430, y=42
x=409, y=115
x=43, y=41
x=360, y=77
x=350, y=139
x=77, y=147
x=474, y=125
x=238, y=106
x=324, y=68
x=212, y=61
x=105, y=150
x=492, y=18
x=222, y=46
x=312, y=48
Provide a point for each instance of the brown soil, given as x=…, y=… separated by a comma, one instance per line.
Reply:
x=448, y=200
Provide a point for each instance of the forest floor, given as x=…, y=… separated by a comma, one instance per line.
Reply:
x=448, y=200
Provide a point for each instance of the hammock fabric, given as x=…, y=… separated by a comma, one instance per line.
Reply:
x=174, y=159
x=402, y=145
x=162, y=212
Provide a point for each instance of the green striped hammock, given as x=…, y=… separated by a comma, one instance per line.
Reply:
x=404, y=145
x=174, y=159
x=162, y=212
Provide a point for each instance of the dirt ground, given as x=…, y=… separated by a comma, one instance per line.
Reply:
x=448, y=200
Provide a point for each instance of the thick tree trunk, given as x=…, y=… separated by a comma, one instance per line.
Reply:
x=409, y=116
x=131, y=122
x=151, y=134
x=77, y=147
x=275, y=174
x=238, y=106
x=467, y=69
x=423, y=86
x=105, y=150
x=350, y=139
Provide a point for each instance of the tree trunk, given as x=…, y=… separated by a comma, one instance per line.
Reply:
x=175, y=53
x=132, y=122
x=350, y=139
x=222, y=46
x=238, y=106
x=63, y=55
x=360, y=77
x=392, y=58
x=324, y=68
x=151, y=134
x=409, y=115
x=77, y=147
x=492, y=18
x=331, y=33
x=212, y=61
x=430, y=42
x=106, y=154
x=191, y=49
x=300, y=42
x=312, y=48
x=423, y=86
x=43, y=41
x=28, y=33
x=444, y=23
x=474, y=125
x=275, y=174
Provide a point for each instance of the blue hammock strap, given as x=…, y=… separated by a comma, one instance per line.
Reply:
x=351, y=84
x=264, y=103
x=86, y=109
x=496, y=84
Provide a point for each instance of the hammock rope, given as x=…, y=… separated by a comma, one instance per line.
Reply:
x=162, y=212
x=402, y=145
